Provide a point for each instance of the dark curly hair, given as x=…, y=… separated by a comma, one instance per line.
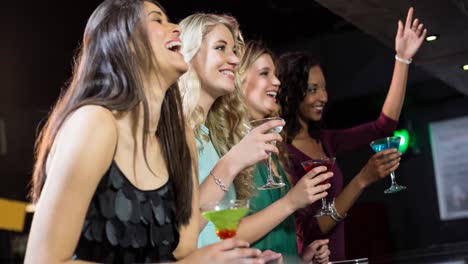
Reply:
x=293, y=72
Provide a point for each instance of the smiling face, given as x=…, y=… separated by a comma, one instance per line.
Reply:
x=165, y=42
x=260, y=87
x=216, y=62
x=316, y=97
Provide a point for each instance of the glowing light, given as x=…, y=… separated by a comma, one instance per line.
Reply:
x=405, y=139
x=432, y=38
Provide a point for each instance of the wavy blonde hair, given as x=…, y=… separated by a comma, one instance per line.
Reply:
x=253, y=50
x=227, y=118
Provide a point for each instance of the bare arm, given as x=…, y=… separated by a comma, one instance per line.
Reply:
x=408, y=40
x=379, y=166
x=83, y=151
x=250, y=150
x=305, y=192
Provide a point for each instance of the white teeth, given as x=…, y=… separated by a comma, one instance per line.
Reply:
x=272, y=94
x=171, y=45
x=227, y=72
x=319, y=107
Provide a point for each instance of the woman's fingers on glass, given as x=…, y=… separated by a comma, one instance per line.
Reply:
x=315, y=171
x=385, y=153
x=390, y=159
x=317, y=196
x=271, y=137
x=322, y=187
x=394, y=167
x=232, y=243
x=322, y=178
x=270, y=148
x=267, y=126
x=386, y=169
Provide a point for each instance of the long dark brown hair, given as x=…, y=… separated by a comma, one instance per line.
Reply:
x=115, y=60
x=293, y=72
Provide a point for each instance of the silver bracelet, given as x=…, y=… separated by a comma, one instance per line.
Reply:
x=219, y=182
x=403, y=60
x=334, y=213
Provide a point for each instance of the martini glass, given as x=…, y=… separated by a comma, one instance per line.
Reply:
x=271, y=184
x=308, y=165
x=225, y=215
x=383, y=144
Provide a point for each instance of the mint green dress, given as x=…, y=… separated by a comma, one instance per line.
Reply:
x=282, y=238
x=207, y=159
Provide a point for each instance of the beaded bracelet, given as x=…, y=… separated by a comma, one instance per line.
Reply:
x=403, y=60
x=334, y=213
x=219, y=182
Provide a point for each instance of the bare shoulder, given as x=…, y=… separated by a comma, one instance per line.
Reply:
x=89, y=132
x=94, y=115
x=92, y=120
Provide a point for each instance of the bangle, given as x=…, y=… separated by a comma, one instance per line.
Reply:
x=334, y=213
x=403, y=60
x=219, y=182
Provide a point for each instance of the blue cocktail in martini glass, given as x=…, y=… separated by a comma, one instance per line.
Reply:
x=383, y=144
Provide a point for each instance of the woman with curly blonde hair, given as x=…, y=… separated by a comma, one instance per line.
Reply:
x=226, y=149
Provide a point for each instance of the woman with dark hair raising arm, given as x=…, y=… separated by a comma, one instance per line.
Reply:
x=114, y=179
x=303, y=96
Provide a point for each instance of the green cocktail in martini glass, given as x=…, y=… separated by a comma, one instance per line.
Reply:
x=225, y=215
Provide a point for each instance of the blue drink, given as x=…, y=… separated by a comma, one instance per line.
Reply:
x=383, y=144
x=393, y=142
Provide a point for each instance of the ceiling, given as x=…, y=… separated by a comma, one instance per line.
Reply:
x=442, y=58
x=354, y=38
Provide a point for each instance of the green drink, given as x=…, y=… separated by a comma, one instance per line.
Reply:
x=226, y=216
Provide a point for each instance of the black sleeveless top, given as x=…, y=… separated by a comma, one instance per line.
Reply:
x=126, y=225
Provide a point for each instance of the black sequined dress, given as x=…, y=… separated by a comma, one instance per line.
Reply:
x=127, y=225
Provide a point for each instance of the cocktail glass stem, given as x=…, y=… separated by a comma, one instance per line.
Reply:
x=270, y=177
x=395, y=187
x=324, y=204
x=392, y=177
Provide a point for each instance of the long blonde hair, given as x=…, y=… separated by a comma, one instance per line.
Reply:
x=252, y=52
x=227, y=118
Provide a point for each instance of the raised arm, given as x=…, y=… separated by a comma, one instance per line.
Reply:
x=409, y=38
x=82, y=152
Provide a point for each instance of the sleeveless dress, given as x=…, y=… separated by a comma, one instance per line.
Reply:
x=126, y=225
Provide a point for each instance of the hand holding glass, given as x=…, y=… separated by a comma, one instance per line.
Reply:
x=308, y=165
x=383, y=144
x=271, y=184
